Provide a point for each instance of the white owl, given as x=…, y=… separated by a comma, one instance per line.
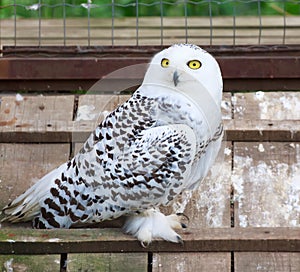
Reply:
x=160, y=142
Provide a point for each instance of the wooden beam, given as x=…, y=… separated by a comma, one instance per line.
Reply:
x=59, y=241
x=87, y=68
x=37, y=131
x=242, y=71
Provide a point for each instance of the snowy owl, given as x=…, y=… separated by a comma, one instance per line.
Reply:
x=144, y=154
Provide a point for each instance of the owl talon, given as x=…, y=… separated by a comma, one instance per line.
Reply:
x=145, y=244
x=184, y=226
x=179, y=240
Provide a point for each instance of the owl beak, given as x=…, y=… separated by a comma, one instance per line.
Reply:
x=175, y=78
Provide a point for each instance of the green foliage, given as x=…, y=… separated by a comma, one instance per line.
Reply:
x=127, y=8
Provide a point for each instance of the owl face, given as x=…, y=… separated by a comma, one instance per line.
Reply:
x=180, y=64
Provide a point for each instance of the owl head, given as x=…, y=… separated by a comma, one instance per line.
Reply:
x=181, y=64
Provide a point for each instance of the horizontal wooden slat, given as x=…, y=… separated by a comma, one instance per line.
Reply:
x=78, y=131
x=262, y=130
x=82, y=70
x=28, y=241
x=39, y=68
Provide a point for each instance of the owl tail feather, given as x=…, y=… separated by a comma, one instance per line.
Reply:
x=27, y=205
x=152, y=224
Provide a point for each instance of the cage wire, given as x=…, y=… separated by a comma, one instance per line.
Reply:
x=144, y=22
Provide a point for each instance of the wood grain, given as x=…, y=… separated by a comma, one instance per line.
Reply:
x=21, y=165
x=267, y=106
x=266, y=176
x=113, y=240
x=191, y=262
x=264, y=261
x=261, y=165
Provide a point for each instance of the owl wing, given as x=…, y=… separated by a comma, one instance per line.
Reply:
x=128, y=163
x=146, y=171
x=154, y=169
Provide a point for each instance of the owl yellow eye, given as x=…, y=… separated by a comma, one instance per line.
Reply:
x=165, y=63
x=194, y=64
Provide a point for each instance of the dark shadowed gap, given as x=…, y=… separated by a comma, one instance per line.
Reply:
x=150, y=262
x=63, y=262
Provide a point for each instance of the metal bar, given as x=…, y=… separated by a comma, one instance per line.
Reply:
x=234, y=24
x=64, y=21
x=15, y=23
x=89, y=22
x=284, y=22
x=161, y=23
x=186, y=21
x=260, y=20
x=40, y=23
x=137, y=22
x=210, y=23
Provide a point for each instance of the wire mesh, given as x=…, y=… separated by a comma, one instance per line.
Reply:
x=145, y=22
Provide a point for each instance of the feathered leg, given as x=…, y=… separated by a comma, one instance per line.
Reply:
x=152, y=224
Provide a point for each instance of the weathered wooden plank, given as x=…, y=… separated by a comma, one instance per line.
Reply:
x=21, y=114
x=18, y=109
x=266, y=179
x=267, y=105
x=257, y=130
x=226, y=106
x=260, y=72
x=190, y=262
x=21, y=165
x=78, y=131
x=117, y=262
x=24, y=164
x=94, y=68
x=96, y=107
x=19, y=263
x=264, y=261
x=56, y=126
x=264, y=168
x=12, y=240
x=33, y=113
